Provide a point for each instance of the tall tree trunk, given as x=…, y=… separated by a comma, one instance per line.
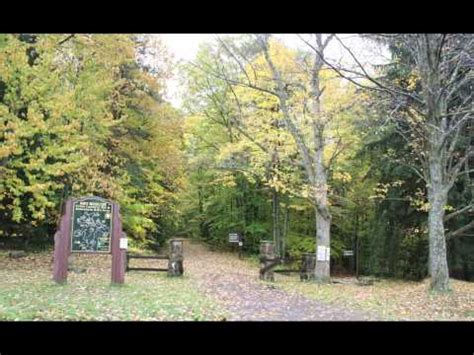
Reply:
x=355, y=241
x=323, y=224
x=276, y=222
x=438, y=185
x=437, y=197
x=286, y=224
x=203, y=229
x=323, y=217
x=312, y=159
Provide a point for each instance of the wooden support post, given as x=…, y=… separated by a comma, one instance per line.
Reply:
x=308, y=267
x=267, y=257
x=62, y=245
x=127, y=265
x=118, y=254
x=175, y=262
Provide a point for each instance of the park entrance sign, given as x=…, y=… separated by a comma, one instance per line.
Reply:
x=90, y=225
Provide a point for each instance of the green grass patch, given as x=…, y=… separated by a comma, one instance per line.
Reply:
x=32, y=295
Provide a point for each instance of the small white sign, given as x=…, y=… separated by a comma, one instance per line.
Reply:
x=348, y=252
x=234, y=238
x=240, y=244
x=324, y=253
x=123, y=243
x=321, y=253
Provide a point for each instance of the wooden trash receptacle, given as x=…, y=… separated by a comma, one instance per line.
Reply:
x=308, y=267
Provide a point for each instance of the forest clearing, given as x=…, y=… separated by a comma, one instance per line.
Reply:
x=263, y=177
x=217, y=286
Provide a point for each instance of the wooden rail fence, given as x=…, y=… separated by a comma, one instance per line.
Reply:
x=268, y=261
x=175, y=260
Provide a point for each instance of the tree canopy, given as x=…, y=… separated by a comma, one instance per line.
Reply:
x=272, y=142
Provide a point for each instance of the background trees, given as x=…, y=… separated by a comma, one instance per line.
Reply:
x=269, y=92
x=272, y=142
x=82, y=114
x=390, y=140
x=428, y=84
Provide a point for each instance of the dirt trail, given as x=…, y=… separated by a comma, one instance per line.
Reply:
x=234, y=284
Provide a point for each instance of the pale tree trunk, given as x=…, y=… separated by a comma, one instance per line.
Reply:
x=437, y=197
x=438, y=259
x=322, y=271
x=438, y=184
x=286, y=225
x=313, y=158
x=276, y=222
x=323, y=217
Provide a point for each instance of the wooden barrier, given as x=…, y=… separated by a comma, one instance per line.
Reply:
x=175, y=260
x=268, y=262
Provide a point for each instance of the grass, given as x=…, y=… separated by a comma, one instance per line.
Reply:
x=28, y=293
x=392, y=299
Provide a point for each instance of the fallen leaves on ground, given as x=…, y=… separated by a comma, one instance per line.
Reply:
x=215, y=286
x=27, y=292
x=394, y=299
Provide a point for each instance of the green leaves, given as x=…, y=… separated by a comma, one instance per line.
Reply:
x=82, y=119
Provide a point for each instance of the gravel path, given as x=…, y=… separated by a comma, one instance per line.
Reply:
x=234, y=284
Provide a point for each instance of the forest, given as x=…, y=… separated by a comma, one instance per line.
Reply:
x=272, y=141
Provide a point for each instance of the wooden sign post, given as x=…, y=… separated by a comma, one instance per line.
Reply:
x=89, y=225
x=267, y=260
x=62, y=244
x=236, y=239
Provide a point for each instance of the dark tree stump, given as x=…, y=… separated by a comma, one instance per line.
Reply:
x=308, y=267
x=267, y=259
x=175, y=262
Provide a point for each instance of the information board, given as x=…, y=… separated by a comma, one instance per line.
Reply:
x=91, y=226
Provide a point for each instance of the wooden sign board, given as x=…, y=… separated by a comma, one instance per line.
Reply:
x=91, y=226
x=234, y=238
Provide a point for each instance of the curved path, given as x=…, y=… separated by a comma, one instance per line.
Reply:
x=234, y=285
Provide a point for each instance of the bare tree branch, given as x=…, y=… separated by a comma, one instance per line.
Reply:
x=468, y=208
x=460, y=231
